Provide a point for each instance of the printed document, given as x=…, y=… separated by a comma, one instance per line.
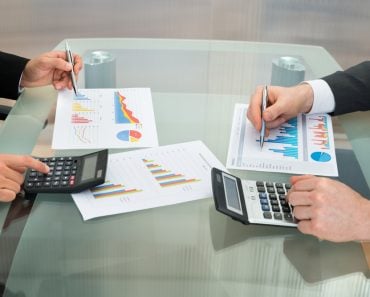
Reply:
x=150, y=178
x=104, y=118
x=303, y=145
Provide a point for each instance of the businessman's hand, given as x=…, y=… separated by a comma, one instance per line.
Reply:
x=12, y=168
x=50, y=68
x=283, y=104
x=329, y=209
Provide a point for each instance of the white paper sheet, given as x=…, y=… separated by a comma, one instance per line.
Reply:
x=104, y=118
x=304, y=145
x=150, y=178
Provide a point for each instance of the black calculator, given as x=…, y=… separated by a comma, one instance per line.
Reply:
x=252, y=202
x=68, y=174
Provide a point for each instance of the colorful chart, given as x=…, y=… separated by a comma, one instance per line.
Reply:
x=108, y=190
x=122, y=114
x=80, y=96
x=77, y=119
x=320, y=131
x=129, y=135
x=321, y=157
x=77, y=107
x=286, y=135
x=165, y=177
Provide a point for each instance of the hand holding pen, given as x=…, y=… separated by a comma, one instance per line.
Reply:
x=50, y=68
x=282, y=104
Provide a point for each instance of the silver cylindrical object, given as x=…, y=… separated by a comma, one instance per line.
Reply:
x=287, y=71
x=100, y=70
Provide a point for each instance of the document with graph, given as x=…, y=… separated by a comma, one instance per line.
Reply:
x=303, y=145
x=104, y=118
x=151, y=178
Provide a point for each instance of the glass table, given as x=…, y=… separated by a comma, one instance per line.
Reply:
x=189, y=249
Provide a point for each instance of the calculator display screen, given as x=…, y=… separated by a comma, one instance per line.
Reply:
x=232, y=194
x=89, y=169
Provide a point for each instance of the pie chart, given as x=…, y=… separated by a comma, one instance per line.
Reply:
x=321, y=157
x=129, y=135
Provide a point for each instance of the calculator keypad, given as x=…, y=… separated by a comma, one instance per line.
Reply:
x=62, y=173
x=273, y=201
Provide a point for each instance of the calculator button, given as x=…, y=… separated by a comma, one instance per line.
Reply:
x=272, y=196
x=288, y=186
x=279, y=185
x=267, y=215
x=38, y=184
x=66, y=172
x=262, y=195
x=286, y=209
x=270, y=189
x=46, y=184
x=55, y=183
x=71, y=182
x=33, y=174
x=268, y=184
x=283, y=202
x=29, y=185
x=265, y=207
x=288, y=217
x=264, y=201
x=275, y=208
x=274, y=202
x=282, y=197
x=260, y=184
x=280, y=190
x=278, y=216
x=64, y=183
x=261, y=189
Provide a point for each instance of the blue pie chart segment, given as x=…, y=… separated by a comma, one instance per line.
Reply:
x=321, y=157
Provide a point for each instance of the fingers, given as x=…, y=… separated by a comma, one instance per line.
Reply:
x=12, y=168
x=14, y=161
x=7, y=195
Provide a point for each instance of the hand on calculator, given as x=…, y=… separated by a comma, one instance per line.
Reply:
x=12, y=169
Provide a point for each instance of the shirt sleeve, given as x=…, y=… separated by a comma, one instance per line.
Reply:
x=323, y=97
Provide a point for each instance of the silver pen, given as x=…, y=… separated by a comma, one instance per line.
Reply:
x=71, y=60
x=263, y=107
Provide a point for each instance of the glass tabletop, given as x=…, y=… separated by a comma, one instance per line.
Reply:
x=187, y=249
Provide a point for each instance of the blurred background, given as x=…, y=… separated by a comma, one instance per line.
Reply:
x=29, y=27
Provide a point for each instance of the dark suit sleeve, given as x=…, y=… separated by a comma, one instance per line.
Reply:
x=351, y=88
x=11, y=68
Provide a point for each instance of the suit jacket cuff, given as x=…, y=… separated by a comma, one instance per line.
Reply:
x=11, y=68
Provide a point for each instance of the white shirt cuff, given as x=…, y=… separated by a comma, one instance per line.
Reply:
x=323, y=97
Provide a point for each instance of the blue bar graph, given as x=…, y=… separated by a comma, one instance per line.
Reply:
x=287, y=135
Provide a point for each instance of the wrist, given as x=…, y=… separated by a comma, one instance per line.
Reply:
x=305, y=92
x=363, y=228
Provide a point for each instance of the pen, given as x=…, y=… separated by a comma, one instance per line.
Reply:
x=70, y=60
x=263, y=107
